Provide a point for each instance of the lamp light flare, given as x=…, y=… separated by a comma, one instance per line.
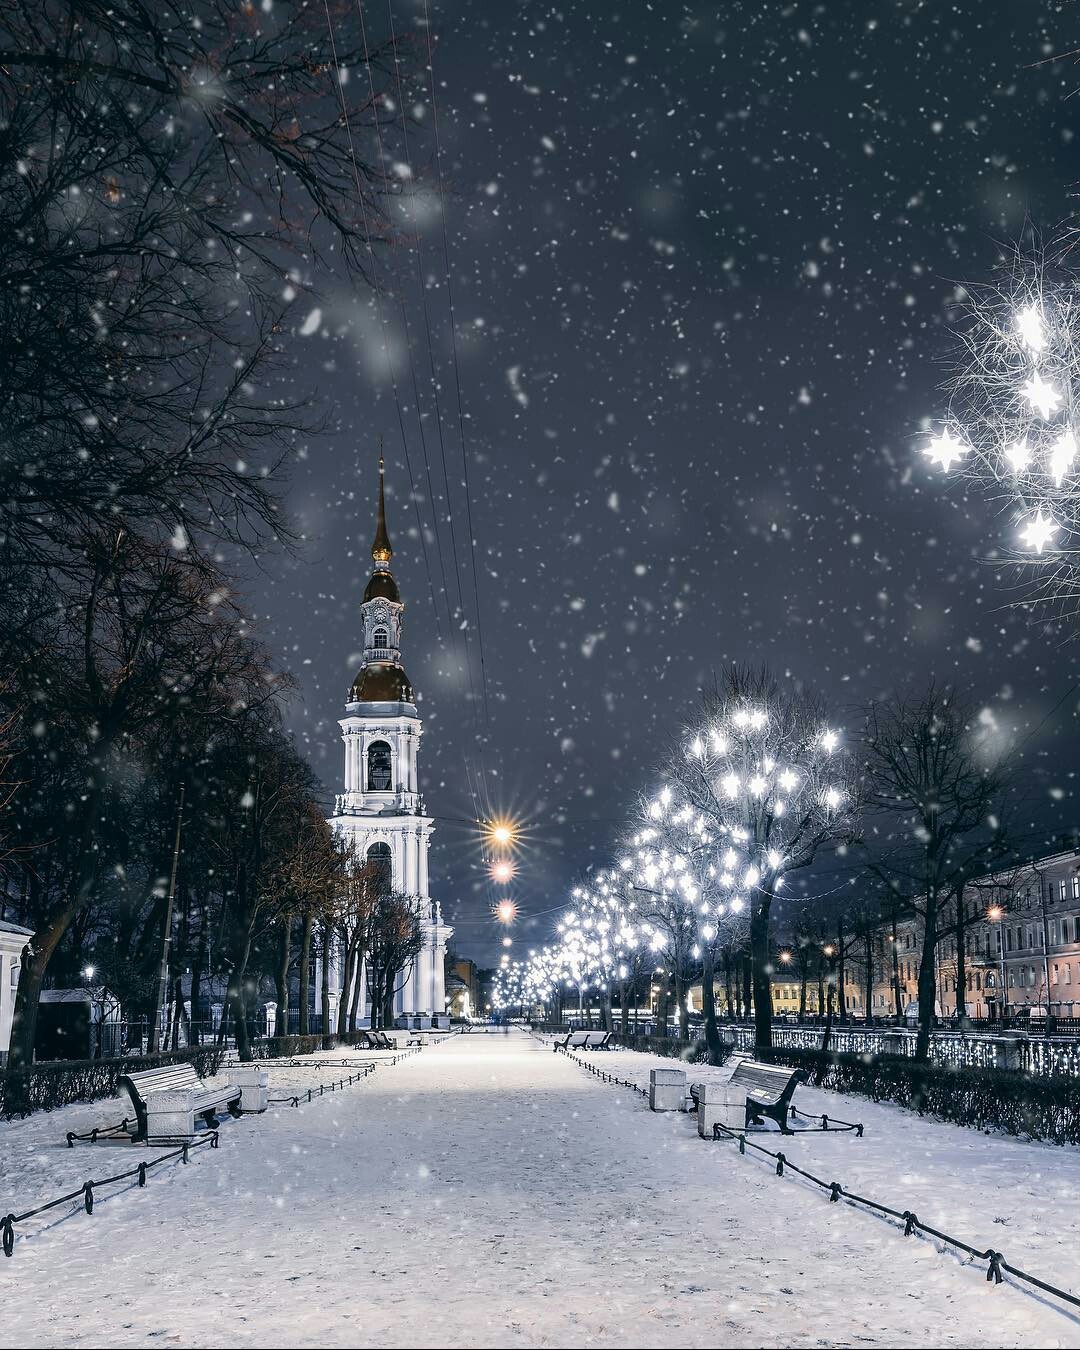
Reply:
x=502, y=871
x=506, y=911
x=501, y=832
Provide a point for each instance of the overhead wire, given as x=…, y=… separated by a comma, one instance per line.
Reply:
x=379, y=305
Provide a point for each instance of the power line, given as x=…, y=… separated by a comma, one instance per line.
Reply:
x=379, y=304
x=457, y=365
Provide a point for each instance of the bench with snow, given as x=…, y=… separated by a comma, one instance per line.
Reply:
x=748, y=1093
x=375, y=1040
x=585, y=1040
x=168, y=1099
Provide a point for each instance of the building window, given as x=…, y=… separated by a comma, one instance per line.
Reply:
x=382, y=861
x=379, y=765
x=380, y=638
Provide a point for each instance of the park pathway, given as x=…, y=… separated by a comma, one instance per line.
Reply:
x=486, y=1193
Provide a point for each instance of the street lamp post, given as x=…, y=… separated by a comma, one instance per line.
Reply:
x=997, y=912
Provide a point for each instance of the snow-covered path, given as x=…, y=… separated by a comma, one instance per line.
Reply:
x=486, y=1192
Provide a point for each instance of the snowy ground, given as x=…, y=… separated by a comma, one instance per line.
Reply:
x=488, y=1192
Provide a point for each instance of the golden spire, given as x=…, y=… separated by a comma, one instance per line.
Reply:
x=381, y=552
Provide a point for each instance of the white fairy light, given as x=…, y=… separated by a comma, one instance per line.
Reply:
x=1043, y=397
x=1062, y=454
x=730, y=785
x=1038, y=532
x=1029, y=324
x=1019, y=456
x=945, y=449
x=1011, y=417
x=829, y=741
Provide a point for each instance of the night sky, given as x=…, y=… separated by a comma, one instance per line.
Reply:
x=703, y=262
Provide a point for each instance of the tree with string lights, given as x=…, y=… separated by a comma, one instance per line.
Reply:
x=765, y=770
x=1011, y=421
x=677, y=864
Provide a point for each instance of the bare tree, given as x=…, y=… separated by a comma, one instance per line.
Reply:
x=938, y=789
x=397, y=937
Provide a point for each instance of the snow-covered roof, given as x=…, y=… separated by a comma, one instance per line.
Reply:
x=16, y=928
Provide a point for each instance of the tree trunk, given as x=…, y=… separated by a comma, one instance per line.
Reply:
x=680, y=1003
x=745, y=983
x=927, y=979
x=348, y=961
x=177, y=1011
x=197, y=969
x=354, y=1002
x=662, y=1004
x=961, y=957
x=713, y=1044
x=804, y=976
x=235, y=1001
x=898, y=996
x=624, y=1010
x=729, y=988
x=760, y=978
x=869, y=976
x=841, y=955
x=829, y=995
x=324, y=1021
x=304, y=993
x=281, y=974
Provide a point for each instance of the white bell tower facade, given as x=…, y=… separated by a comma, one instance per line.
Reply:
x=381, y=811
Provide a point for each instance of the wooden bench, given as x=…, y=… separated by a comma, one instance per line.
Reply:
x=381, y=1041
x=168, y=1097
x=597, y=1040
x=573, y=1040
x=752, y=1092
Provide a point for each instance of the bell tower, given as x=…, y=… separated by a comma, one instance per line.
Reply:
x=380, y=813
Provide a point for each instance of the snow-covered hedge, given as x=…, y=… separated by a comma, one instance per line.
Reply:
x=985, y=1099
x=43, y=1087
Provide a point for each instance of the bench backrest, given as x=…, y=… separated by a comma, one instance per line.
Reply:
x=596, y=1038
x=579, y=1038
x=768, y=1080
x=164, y=1078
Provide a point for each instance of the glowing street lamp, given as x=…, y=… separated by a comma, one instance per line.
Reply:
x=501, y=833
x=502, y=871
